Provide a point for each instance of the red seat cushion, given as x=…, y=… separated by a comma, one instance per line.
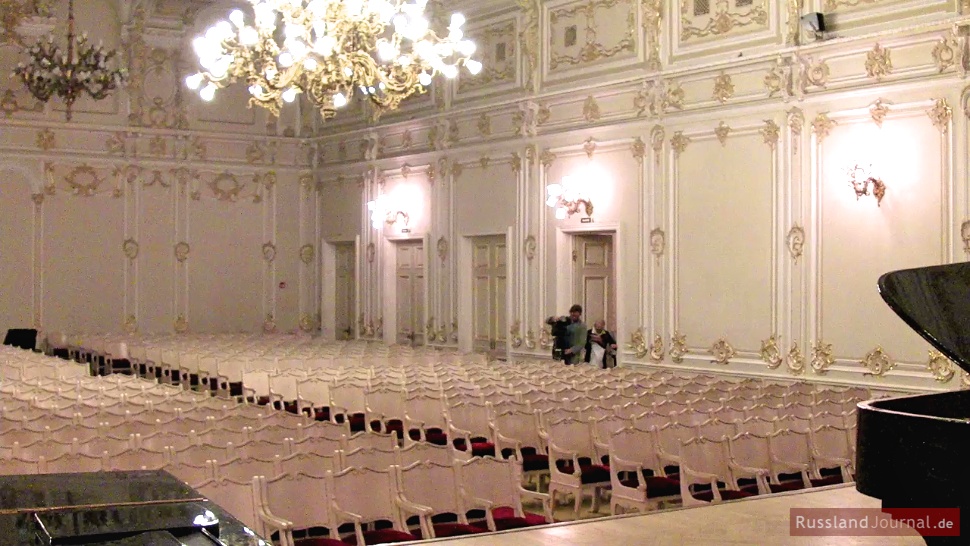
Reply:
x=437, y=438
x=786, y=486
x=593, y=473
x=506, y=519
x=382, y=536
x=445, y=530
x=657, y=486
x=480, y=447
x=320, y=541
x=826, y=480
x=535, y=461
x=726, y=494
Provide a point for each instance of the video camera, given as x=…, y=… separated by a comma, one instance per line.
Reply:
x=560, y=335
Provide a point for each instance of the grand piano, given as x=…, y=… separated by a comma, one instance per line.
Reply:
x=911, y=450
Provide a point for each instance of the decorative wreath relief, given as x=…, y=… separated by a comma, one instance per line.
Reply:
x=530, y=247
x=182, y=251
x=269, y=252
x=84, y=180
x=130, y=248
x=307, y=253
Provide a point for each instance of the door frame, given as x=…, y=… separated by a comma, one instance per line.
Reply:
x=328, y=288
x=466, y=305
x=389, y=311
x=565, y=279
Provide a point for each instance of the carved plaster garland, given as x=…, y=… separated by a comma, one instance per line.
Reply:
x=721, y=132
x=940, y=115
x=822, y=126
x=878, y=62
x=878, y=111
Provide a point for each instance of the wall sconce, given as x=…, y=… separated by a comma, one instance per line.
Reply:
x=567, y=198
x=382, y=212
x=861, y=178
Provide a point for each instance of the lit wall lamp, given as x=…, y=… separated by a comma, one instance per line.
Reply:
x=382, y=212
x=863, y=182
x=567, y=198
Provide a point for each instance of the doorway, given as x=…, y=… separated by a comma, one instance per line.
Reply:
x=345, y=260
x=409, y=292
x=489, y=292
x=594, y=277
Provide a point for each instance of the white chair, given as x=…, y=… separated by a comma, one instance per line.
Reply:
x=497, y=484
x=283, y=506
x=363, y=495
x=368, y=457
x=636, y=473
x=437, y=486
x=705, y=475
x=575, y=464
x=236, y=497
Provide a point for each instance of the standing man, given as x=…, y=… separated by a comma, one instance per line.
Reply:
x=601, y=346
x=576, y=333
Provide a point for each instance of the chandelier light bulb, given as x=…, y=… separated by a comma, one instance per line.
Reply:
x=289, y=95
x=560, y=213
x=194, y=81
x=424, y=79
x=286, y=59
x=449, y=71
x=208, y=92
x=237, y=18
x=339, y=100
x=248, y=36
x=474, y=67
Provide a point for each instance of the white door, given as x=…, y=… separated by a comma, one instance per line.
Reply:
x=410, y=292
x=344, y=284
x=489, y=282
x=594, y=289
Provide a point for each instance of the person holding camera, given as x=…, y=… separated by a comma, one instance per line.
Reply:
x=570, y=336
x=601, y=346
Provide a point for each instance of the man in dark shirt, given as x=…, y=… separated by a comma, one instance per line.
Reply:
x=576, y=334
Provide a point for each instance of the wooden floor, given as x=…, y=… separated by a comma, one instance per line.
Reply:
x=758, y=522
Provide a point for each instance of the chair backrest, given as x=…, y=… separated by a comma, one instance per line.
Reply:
x=308, y=463
x=301, y=499
x=73, y=462
x=831, y=441
x=246, y=468
x=791, y=446
x=432, y=484
x=636, y=444
x=386, y=402
x=670, y=437
x=717, y=429
x=518, y=425
x=236, y=497
x=751, y=450
x=370, y=439
x=494, y=480
x=191, y=474
x=573, y=435
x=367, y=493
x=368, y=457
x=704, y=455
x=423, y=451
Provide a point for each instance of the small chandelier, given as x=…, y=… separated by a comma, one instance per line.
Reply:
x=567, y=198
x=861, y=178
x=382, y=212
x=83, y=69
x=328, y=50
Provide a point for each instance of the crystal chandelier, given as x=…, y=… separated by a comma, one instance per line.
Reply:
x=328, y=50
x=83, y=69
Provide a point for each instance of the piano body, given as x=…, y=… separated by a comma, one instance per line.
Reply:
x=912, y=451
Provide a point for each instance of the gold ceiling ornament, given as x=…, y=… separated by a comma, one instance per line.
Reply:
x=182, y=250
x=591, y=109
x=770, y=353
x=822, y=125
x=777, y=77
x=793, y=35
x=130, y=248
x=941, y=367
x=723, y=87
x=529, y=247
x=722, y=351
x=815, y=72
x=878, y=111
x=529, y=38
x=13, y=13
x=589, y=146
x=269, y=323
x=678, y=347
x=181, y=324
x=945, y=53
x=679, y=142
x=329, y=50
x=545, y=338
x=795, y=360
x=269, y=252
x=658, y=242
x=878, y=62
x=83, y=180
x=307, y=253
x=46, y=139
x=965, y=236
x=940, y=115
x=652, y=11
x=530, y=339
x=591, y=50
x=721, y=132
x=638, y=344
x=639, y=149
x=796, y=242
x=721, y=19
x=657, y=349
x=770, y=132
x=83, y=69
x=877, y=362
x=515, y=334
x=130, y=325
x=442, y=248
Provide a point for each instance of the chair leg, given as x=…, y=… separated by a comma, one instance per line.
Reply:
x=578, y=502
x=595, y=506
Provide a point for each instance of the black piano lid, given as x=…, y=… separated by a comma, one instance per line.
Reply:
x=934, y=301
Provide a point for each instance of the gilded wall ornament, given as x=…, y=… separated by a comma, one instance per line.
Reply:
x=484, y=125
x=269, y=323
x=546, y=158
x=721, y=19
x=878, y=62
x=941, y=367
x=529, y=39
x=723, y=88
x=130, y=325
x=589, y=147
x=308, y=323
x=795, y=360
x=815, y=72
x=678, y=347
x=46, y=139
x=822, y=126
x=83, y=180
x=639, y=149
x=530, y=339
x=796, y=242
x=130, y=248
x=877, y=362
x=770, y=132
x=657, y=349
x=721, y=132
x=37, y=198
x=429, y=329
x=442, y=248
x=181, y=325
x=658, y=242
x=591, y=109
x=269, y=252
x=307, y=253
x=407, y=140
x=226, y=187
x=776, y=78
x=945, y=53
x=182, y=251
x=770, y=353
x=379, y=328
x=965, y=235
x=652, y=11
x=722, y=351
x=370, y=252
x=515, y=334
x=157, y=179
x=679, y=142
x=529, y=247
x=940, y=115
x=484, y=161
x=592, y=50
x=657, y=136
x=878, y=111
x=793, y=34
x=638, y=343
x=822, y=358
x=454, y=331
x=796, y=120
x=158, y=146
x=545, y=338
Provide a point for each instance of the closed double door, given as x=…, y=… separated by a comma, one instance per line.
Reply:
x=409, y=292
x=489, y=292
